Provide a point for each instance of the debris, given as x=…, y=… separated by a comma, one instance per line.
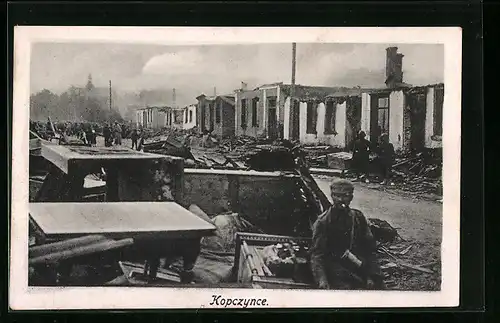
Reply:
x=404, y=264
x=382, y=231
x=429, y=264
x=388, y=266
x=405, y=251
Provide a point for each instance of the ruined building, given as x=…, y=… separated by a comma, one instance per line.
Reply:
x=412, y=116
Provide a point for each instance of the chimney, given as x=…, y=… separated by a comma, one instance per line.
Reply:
x=244, y=86
x=393, y=67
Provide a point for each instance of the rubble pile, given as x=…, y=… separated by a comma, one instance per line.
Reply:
x=420, y=173
x=317, y=156
x=406, y=266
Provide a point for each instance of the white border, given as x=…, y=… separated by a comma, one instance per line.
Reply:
x=22, y=298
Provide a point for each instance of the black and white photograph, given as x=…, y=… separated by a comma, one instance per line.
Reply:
x=235, y=167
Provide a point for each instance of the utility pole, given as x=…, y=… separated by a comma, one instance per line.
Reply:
x=292, y=92
x=174, y=97
x=110, y=97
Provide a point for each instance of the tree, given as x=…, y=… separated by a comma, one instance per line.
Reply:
x=44, y=104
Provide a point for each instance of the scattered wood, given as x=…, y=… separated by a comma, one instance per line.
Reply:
x=404, y=264
x=405, y=251
x=406, y=161
x=432, y=263
x=388, y=266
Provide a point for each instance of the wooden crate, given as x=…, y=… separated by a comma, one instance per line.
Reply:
x=249, y=261
x=341, y=161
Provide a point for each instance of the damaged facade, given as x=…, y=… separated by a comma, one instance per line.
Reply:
x=216, y=114
x=161, y=116
x=412, y=116
x=319, y=115
x=189, y=117
x=154, y=117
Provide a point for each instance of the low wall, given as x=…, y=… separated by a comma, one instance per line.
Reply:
x=266, y=199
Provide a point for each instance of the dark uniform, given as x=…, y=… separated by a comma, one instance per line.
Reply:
x=386, y=156
x=134, y=136
x=341, y=229
x=361, y=154
x=107, y=136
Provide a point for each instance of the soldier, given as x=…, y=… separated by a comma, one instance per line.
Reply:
x=361, y=156
x=134, y=136
x=117, y=134
x=343, y=247
x=386, y=158
x=107, y=135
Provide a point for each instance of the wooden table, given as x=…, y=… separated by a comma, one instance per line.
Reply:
x=66, y=157
x=161, y=220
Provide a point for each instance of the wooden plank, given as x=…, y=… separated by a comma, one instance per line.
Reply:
x=325, y=171
x=118, y=219
x=44, y=249
x=81, y=250
x=257, y=260
x=237, y=172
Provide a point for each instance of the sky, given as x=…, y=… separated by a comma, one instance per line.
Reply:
x=193, y=70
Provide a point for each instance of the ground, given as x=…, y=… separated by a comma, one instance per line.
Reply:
x=418, y=221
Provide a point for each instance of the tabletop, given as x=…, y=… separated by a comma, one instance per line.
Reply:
x=117, y=219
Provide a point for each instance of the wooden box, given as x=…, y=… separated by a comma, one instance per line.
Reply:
x=250, y=263
x=341, y=160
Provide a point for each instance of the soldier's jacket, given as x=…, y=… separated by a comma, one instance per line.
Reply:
x=334, y=232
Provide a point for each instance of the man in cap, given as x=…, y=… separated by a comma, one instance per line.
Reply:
x=361, y=156
x=343, y=248
x=386, y=157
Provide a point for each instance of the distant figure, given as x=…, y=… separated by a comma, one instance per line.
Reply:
x=93, y=139
x=83, y=137
x=107, y=135
x=118, y=134
x=134, y=136
x=124, y=131
x=206, y=142
x=140, y=146
x=361, y=156
x=88, y=135
x=386, y=157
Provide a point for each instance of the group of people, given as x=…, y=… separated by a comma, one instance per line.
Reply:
x=361, y=149
x=88, y=136
x=114, y=134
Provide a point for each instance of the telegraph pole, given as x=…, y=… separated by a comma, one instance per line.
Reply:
x=110, y=97
x=292, y=92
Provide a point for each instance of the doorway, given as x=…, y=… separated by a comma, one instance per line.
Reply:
x=144, y=119
x=353, y=116
x=379, y=116
x=417, y=110
x=272, y=124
